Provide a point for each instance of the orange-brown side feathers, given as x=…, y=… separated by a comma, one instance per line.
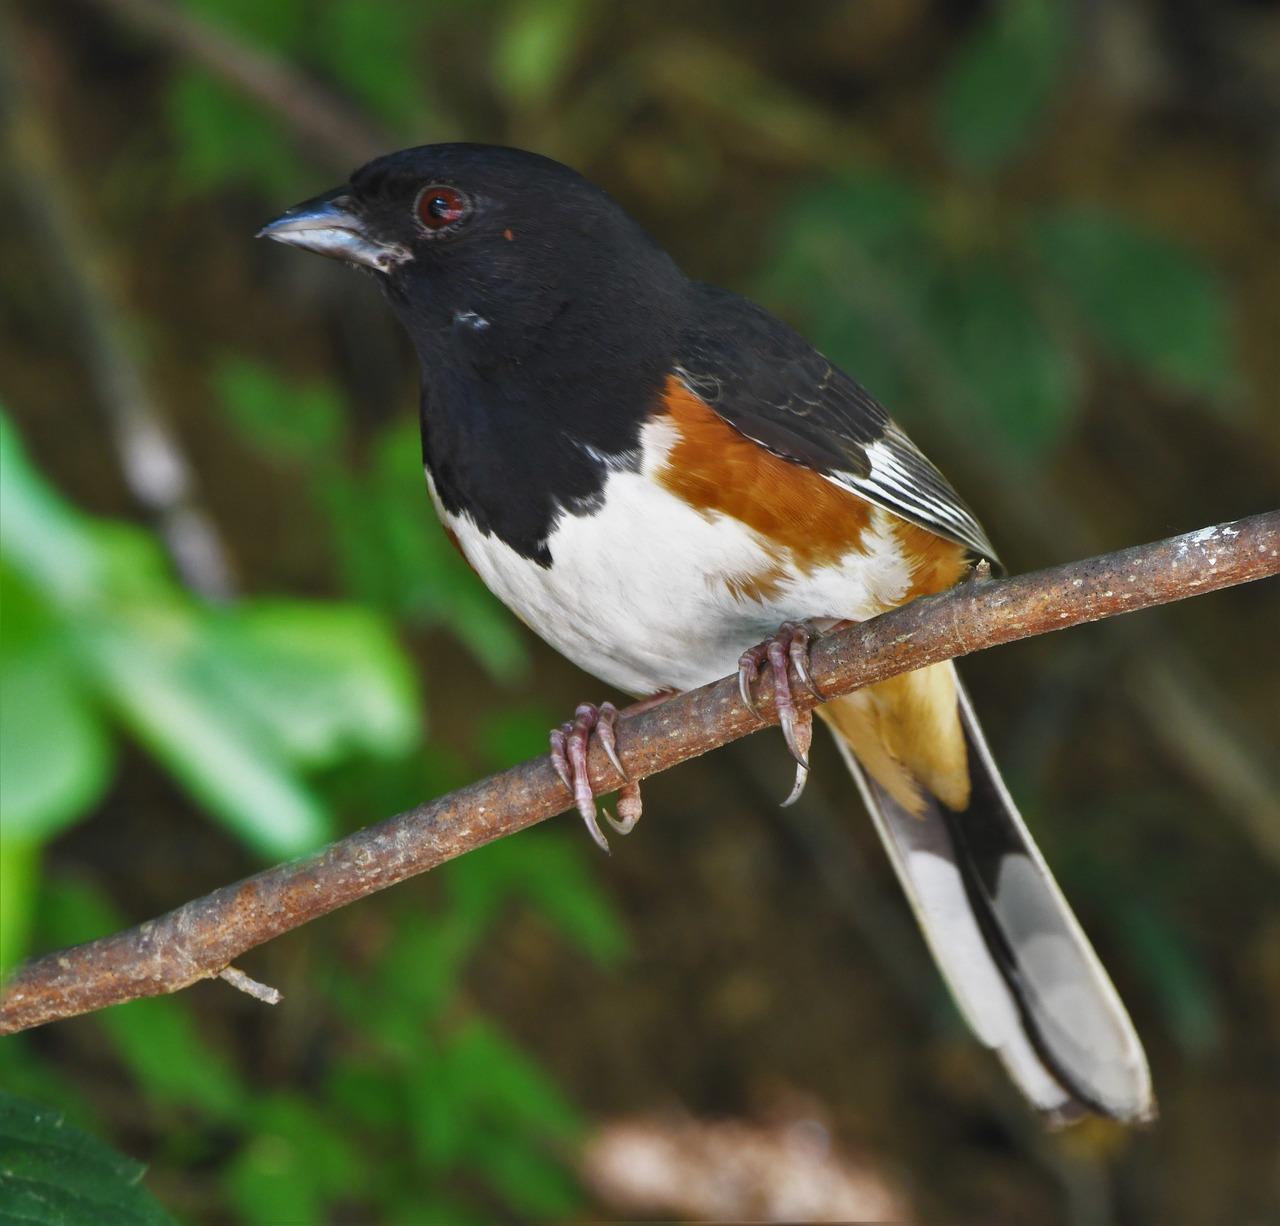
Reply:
x=760, y=585
x=717, y=470
x=906, y=731
x=936, y=563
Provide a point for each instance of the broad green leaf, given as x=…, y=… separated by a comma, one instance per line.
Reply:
x=159, y=685
x=54, y=1174
x=1015, y=373
x=1001, y=80
x=1148, y=300
x=40, y=536
x=289, y=420
x=55, y=757
x=321, y=681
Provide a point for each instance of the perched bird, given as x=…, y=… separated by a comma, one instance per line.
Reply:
x=667, y=484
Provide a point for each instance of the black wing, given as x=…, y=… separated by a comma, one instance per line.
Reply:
x=770, y=384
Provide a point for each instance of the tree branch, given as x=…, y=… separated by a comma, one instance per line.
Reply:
x=202, y=938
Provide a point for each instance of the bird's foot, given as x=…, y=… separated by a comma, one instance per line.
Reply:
x=569, y=756
x=786, y=650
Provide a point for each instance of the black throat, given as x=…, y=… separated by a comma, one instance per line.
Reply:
x=524, y=418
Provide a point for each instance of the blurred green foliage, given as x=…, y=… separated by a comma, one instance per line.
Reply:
x=900, y=213
x=240, y=703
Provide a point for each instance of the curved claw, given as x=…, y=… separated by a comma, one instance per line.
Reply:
x=629, y=809
x=799, y=653
x=608, y=739
x=793, y=721
x=802, y=777
x=569, y=744
x=787, y=649
x=585, y=718
x=748, y=671
x=558, y=755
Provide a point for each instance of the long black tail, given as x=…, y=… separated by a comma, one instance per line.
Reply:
x=1020, y=968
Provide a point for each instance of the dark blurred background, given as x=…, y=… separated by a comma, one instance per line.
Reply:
x=1045, y=234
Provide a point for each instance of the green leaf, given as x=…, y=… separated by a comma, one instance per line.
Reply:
x=323, y=682
x=289, y=420
x=159, y=685
x=1016, y=374
x=997, y=89
x=55, y=757
x=236, y=703
x=40, y=536
x=1144, y=298
x=53, y=1174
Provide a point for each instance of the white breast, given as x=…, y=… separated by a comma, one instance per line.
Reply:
x=641, y=593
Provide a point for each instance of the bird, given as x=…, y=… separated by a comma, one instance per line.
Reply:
x=668, y=485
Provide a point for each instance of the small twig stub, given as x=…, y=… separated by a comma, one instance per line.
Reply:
x=251, y=987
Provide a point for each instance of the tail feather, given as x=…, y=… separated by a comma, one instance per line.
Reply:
x=1019, y=967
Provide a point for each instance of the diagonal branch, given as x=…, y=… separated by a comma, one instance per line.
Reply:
x=200, y=939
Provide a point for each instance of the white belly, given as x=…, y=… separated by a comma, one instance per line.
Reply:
x=645, y=593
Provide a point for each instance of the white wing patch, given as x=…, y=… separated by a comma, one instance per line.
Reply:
x=904, y=481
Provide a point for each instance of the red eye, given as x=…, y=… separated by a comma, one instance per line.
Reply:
x=439, y=207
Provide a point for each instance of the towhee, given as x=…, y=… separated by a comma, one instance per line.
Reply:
x=654, y=475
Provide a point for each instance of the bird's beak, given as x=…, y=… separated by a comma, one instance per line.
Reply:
x=328, y=225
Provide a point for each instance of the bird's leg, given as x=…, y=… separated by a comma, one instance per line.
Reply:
x=569, y=756
x=786, y=650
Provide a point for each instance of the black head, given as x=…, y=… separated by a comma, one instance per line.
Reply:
x=545, y=319
x=489, y=247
